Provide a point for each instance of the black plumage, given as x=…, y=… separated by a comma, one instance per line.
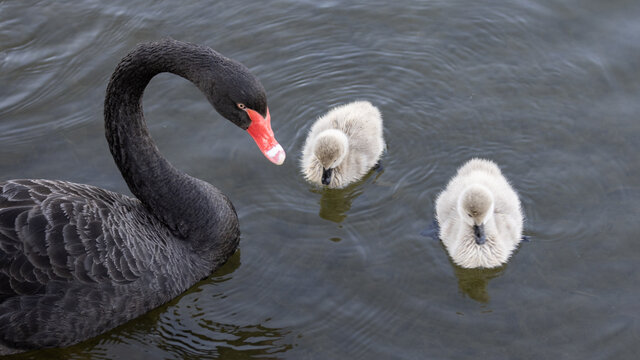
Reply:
x=77, y=260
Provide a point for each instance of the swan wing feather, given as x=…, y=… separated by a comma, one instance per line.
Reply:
x=58, y=231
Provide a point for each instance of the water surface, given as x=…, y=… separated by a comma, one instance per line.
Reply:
x=547, y=89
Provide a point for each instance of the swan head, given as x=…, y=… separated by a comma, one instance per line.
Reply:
x=330, y=148
x=239, y=96
x=475, y=208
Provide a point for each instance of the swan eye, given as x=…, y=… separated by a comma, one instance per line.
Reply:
x=242, y=106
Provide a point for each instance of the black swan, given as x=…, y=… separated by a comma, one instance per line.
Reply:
x=77, y=260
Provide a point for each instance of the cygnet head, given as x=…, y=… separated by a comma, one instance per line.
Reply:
x=475, y=207
x=330, y=148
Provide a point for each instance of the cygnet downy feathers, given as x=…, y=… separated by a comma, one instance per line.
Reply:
x=479, y=215
x=343, y=145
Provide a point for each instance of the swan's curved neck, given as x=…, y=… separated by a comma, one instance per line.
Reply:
x=171, y=195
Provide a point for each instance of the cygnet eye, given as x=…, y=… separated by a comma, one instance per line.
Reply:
x=469, y=215
x=241, y=106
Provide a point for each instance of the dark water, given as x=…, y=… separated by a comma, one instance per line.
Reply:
x=548, y=89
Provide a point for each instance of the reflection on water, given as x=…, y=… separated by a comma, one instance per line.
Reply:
x=180, y=329
x=334, y=203
x=189, y=329
x=473, y=282
x=225, y=271
x=239, y=342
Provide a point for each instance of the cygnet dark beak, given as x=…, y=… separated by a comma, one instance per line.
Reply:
x=478, y=232
x=326, y=176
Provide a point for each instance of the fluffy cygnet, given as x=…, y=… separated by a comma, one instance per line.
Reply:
x=479, y=216
x=343, y=145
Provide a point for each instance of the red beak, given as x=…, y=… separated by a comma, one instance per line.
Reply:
x=260, y=131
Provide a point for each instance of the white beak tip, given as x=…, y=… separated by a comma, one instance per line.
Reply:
x=276, y=154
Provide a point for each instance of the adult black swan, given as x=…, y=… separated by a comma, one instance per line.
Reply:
x=77, y=260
